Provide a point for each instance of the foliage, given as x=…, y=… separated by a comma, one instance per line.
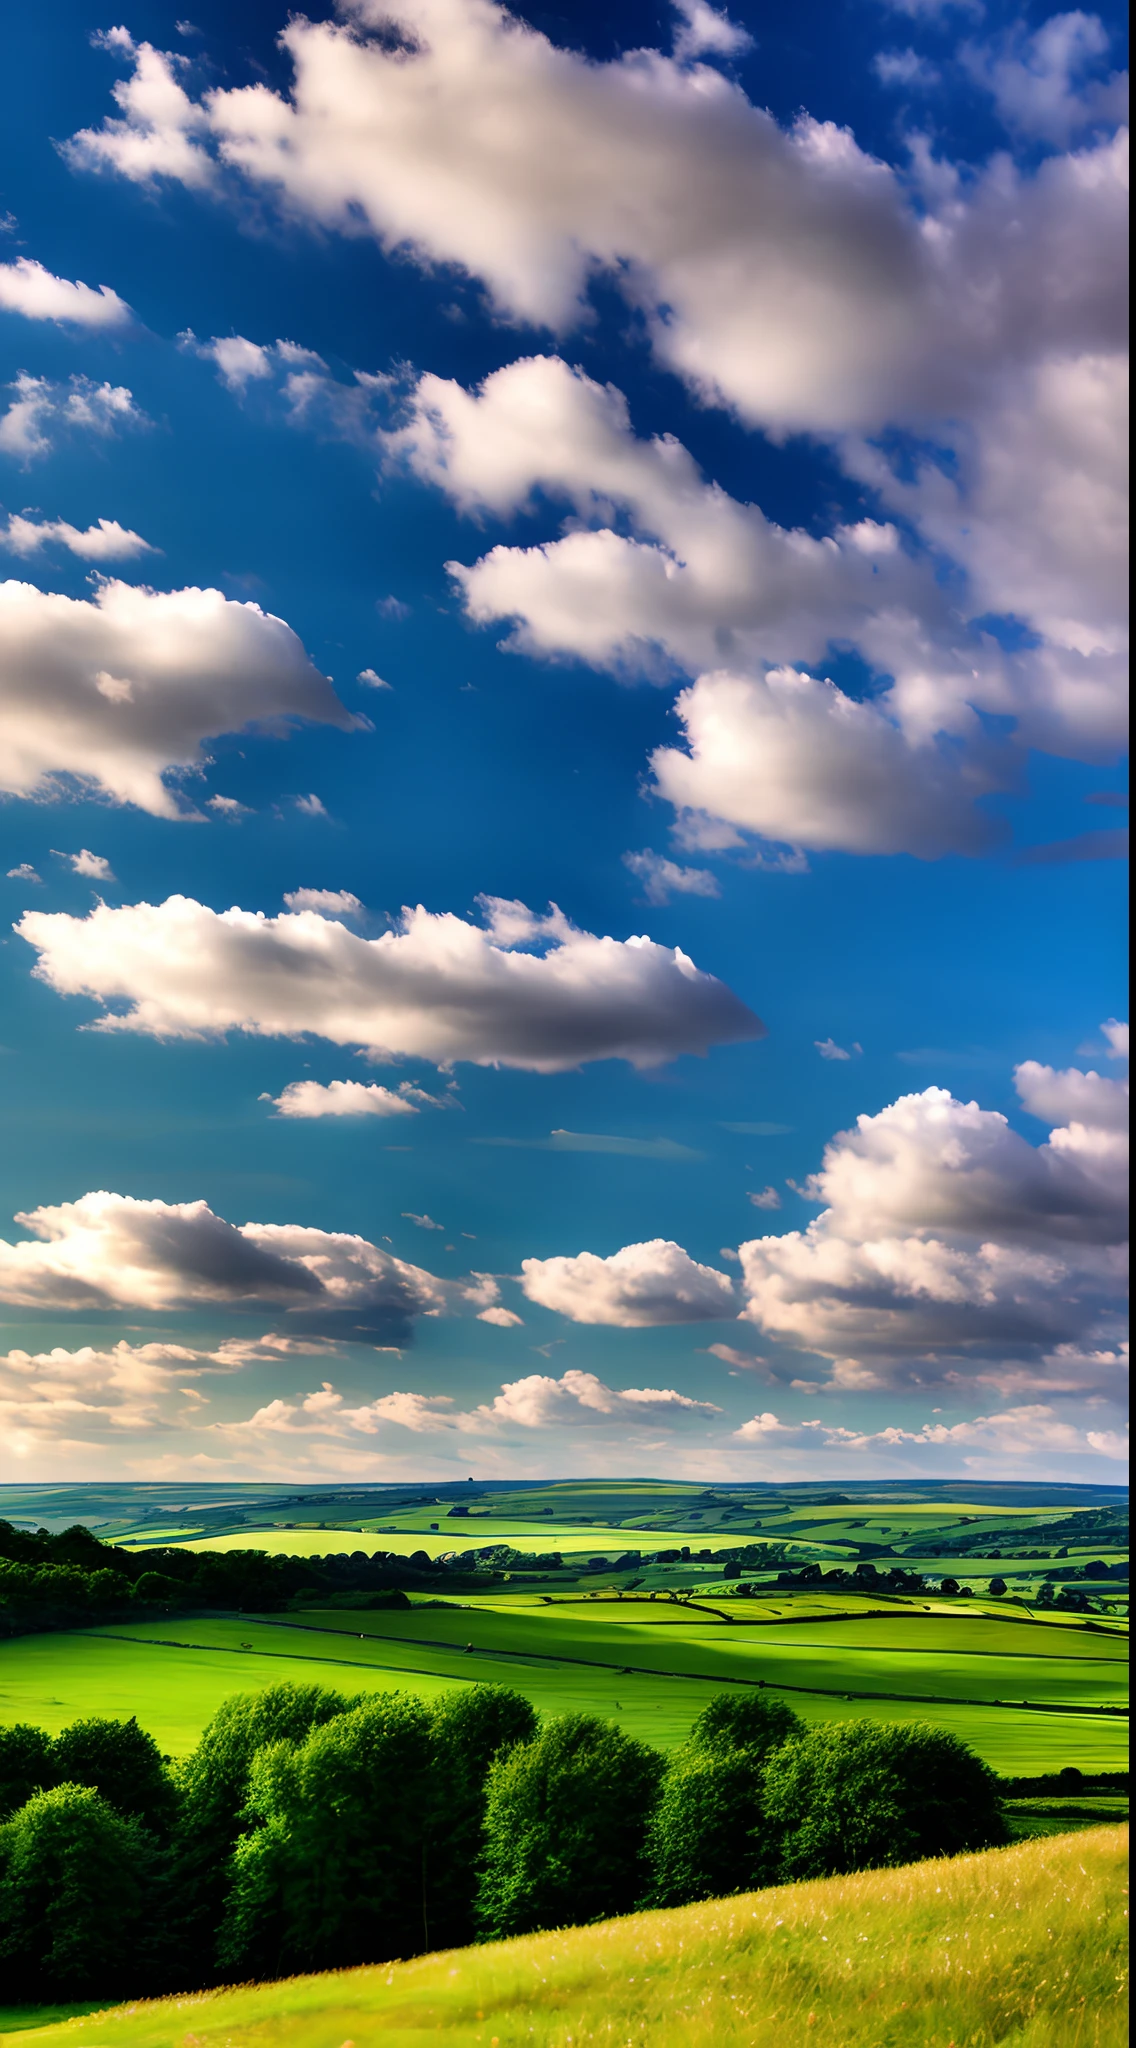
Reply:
x=565, y=1827
x=854, y=1795
x=75, y=1885
x=334, y=1871
x=1042, y=1926
x=709, y=1836
x=120, y=1760
x=213, y=1785
x=25, y=1765
x=470, y=1727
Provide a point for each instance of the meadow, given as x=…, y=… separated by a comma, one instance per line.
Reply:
x=1019, y=1947
x=1034, y=1679
x=650, y=1666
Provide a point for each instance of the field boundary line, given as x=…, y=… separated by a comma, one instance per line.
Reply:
x=590, y=1664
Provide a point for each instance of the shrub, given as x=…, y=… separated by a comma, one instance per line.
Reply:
x=708, y=1836
x=565, y=1828
x=122, y=1762
x=26, y=1765
x=470, y=1728
x=855, y=1795
x=74, y=1883
x=334, y=1873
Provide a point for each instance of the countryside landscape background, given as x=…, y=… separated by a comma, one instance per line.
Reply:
x=563, y=1062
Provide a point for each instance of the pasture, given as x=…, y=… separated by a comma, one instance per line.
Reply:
x=1023, y=1944
x=650, y=1665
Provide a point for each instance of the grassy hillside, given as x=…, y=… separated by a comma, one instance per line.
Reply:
x=1020, y=1947
x=648, y=1665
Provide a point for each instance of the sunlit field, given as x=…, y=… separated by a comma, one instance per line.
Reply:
x=1021, y=1946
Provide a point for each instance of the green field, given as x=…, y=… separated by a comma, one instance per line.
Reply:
x=1021, y=1947
x=650, y=1665
x=1034, y=1685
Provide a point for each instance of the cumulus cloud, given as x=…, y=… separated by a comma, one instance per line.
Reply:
x=110, y=1251
x=536, y=1403
x=95, y=866
x=949, y=1245
x=784, y=271
x=662, y=878
x=1043, y=84
x=986, y=1443
x=788, y=758
x=27, y=288
x=765, y=1198
x=59, y=1399
x=641, y=1287
x=306, y=1099
x=42, y=412
x=114, y=692
x=328, y=902
x=1070, y=1096
x=24, y=873
x=788, y=275
x=104, y=541
x=435, y=988
x=704, y=31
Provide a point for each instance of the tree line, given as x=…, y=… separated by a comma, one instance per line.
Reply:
x=312, y=1831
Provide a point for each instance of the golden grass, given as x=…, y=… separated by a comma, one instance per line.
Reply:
x=1020, y=1947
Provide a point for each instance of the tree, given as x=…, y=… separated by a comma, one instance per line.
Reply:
x=123, y=1762
x=997, y=1585
x=856, y=1795
x=26, y=1765
x=708, y=1836
x=470, y=1728
x=565, y=1828
x=75, y=1881
x=332, y=1873
x=213, y=1784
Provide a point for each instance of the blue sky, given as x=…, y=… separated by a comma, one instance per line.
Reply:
x=762, y=386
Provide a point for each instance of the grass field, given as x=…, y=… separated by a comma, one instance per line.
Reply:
x=1017, y=1948
x=651, y=1666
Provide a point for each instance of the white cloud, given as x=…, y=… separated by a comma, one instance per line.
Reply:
x=791, y=759
x=640, y=1287
x=436, y=988
x=227, y=807
x=307, y=1099
x=1042, y=84
x=372, y=680
x=1070, y=1096
x=948, y=1243
x=27, y=288
x=51, y=1401
x=94, y=865
x=24, y=873
x=422, y=1222
x=328, y=902
x=533, y=1404
x=906, y=69
x=703, y=31
x=703, y=576
x=1116, y=1034
x=111, y=1251
x=662, y=878
x=311, y=806
x=114, y=692
x=786, y=272
x=1016, y=1437
x=40, y=412
x=829, y=1050
x=502, y=1318
x=765, y=1198
x=104, y=541
x=741, y=1361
